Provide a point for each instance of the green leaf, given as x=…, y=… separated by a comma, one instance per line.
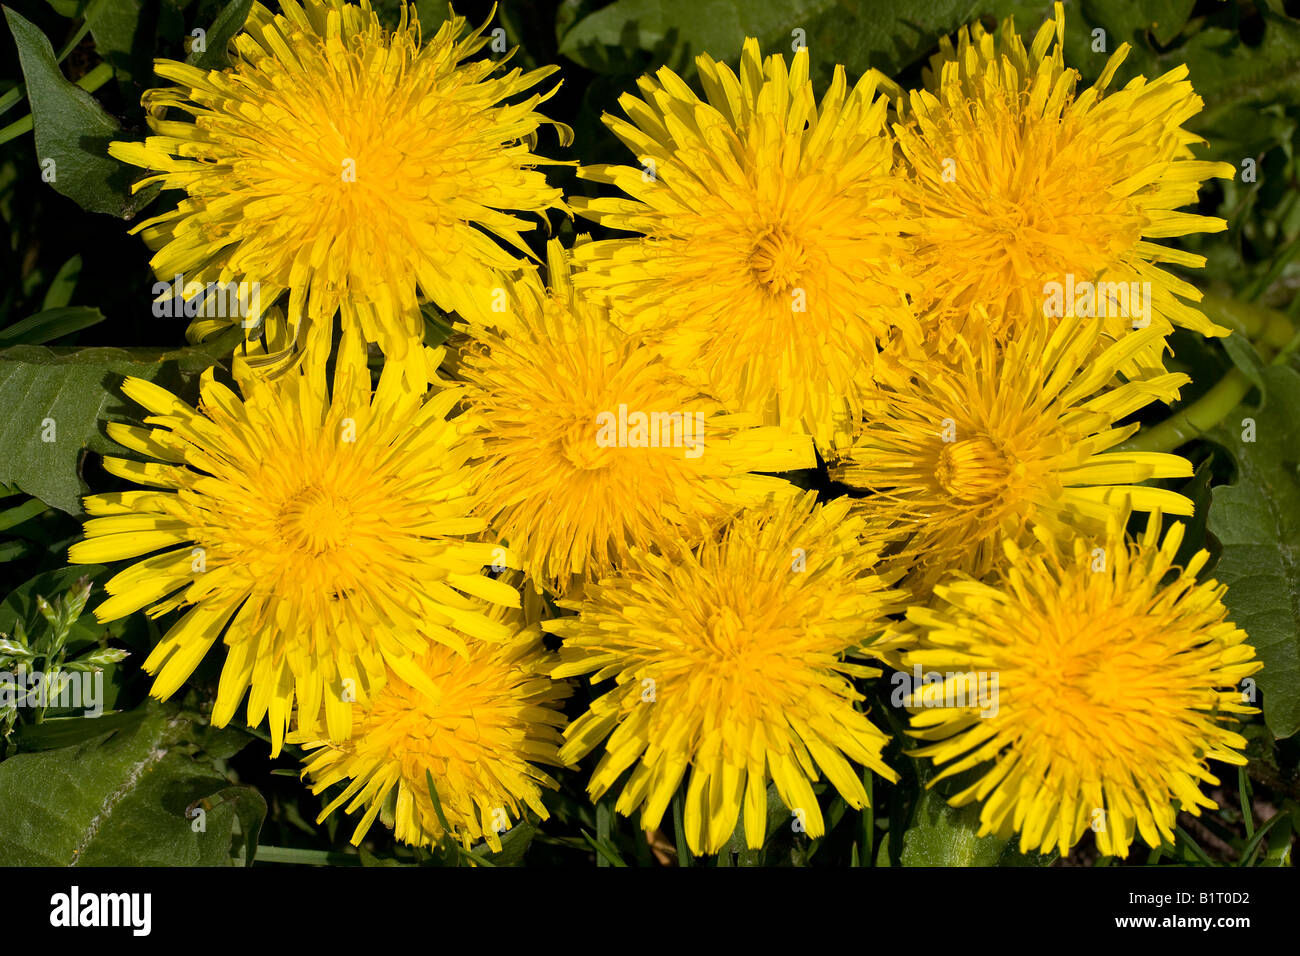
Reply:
x=12, y=517
x=1127, y=21
x=228, y=23
x=127, y=800
x=50, y=325
x=72, y=131
x=123, y=37
x=68, y=8
x=632, y=35
x=942, y=835
x=58, y=732
x=63, y=395
x=303, y=857
x=20, y=603
x=62, y=286
x=1246, y=358
x=1257, y=522
x=514, y=844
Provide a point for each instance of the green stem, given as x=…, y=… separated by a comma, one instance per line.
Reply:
x=287, y=854
x=1194, y=420
x=868, y=820
x=1266, y=327
x=1274, y=336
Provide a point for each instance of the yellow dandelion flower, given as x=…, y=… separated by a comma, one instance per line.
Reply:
x=325, y=536
x=589, y=444
x=1111, y=689
x=960, y=456
x=491, y=717
x=766, y=260
x=732, y=661
x=344, y=166
x=1027, y=195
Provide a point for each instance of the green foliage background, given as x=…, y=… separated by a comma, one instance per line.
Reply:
x=75, y=316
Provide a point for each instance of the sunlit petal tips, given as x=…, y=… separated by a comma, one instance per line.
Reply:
x=1020, y=187
x=341, y=165
x=769, y=263
x=320, y=535
x=731, y=663
x=960, y=456
x=588, y=444
x=488, y=719
x=1114, y=676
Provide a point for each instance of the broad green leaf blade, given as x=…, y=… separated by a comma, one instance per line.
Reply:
x=68, y=731
x=72, y=131
x=124, y=35
x=127, y=800
x=1257, y=521
x=942, y=835
x=55, y=402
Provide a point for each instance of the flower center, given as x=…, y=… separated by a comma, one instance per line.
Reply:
x=580, y=445
x=316, y=522
x=725, y=630
x=971, y=470
x=778, y=260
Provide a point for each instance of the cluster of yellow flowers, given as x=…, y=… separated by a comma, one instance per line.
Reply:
x=950, y=296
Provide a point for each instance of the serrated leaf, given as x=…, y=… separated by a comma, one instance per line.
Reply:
x=127, y=800
x=1257, y=522
x=72, y=130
